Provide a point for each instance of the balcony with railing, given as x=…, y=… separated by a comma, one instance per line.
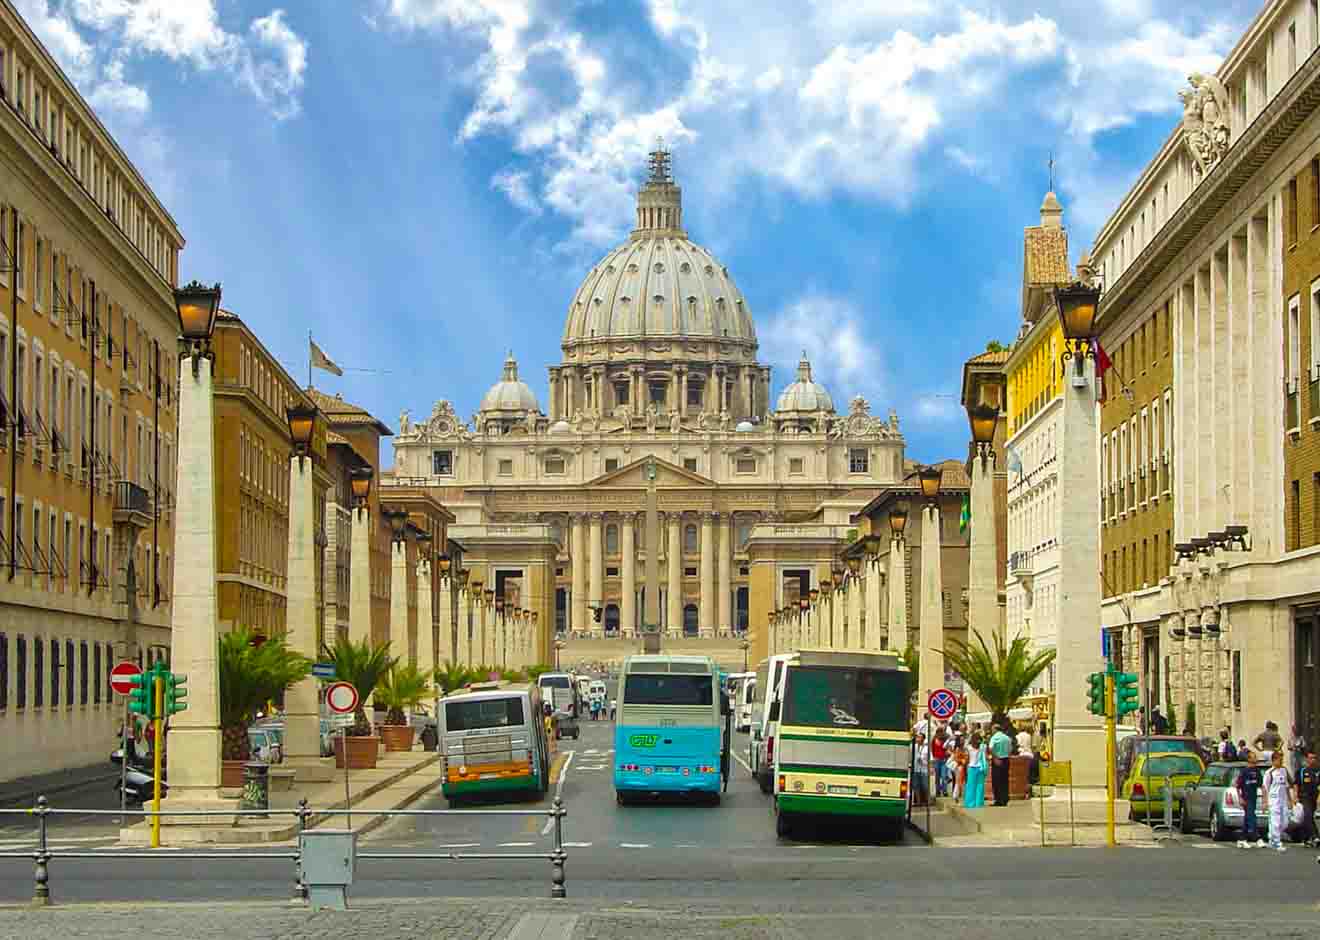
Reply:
x=1313, y=398
x=132, y=504
x=1292, y=419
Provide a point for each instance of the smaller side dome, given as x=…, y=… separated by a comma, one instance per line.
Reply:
x=561, y=427
x=510, y=394
x=805, y=394
x=744, y=426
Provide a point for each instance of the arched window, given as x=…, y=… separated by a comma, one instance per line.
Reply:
x=690, y=539
x=743, y=532
x=612, y=539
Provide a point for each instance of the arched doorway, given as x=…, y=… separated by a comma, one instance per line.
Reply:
x=611, y=619
x=690, y=620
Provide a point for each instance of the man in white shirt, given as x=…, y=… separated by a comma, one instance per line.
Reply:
x=1024, y=741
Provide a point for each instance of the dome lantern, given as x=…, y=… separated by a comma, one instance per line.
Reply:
x=510, y=396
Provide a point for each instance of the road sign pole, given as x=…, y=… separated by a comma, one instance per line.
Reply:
x=125, y=737
x=348, y=801
x=1110, y=749
x=159, y=688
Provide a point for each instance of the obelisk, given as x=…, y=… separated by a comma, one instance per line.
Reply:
x=651, y=612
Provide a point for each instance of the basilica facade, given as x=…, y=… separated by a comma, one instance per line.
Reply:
x=658, y=360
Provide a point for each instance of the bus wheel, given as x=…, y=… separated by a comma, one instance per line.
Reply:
x=712, y=799
x=764, y=781
x=783, y=825
x=620, y=798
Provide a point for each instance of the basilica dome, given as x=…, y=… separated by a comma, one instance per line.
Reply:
x=806, y=394
x=510, y=394
x=659, y=283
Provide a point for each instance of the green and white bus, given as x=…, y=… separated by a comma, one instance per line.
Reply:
x=844, y=745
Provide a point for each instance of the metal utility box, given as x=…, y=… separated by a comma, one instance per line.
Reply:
x=328, y=860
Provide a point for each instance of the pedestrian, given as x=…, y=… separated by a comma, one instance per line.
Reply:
x=1278, y=790
x=1024, y=741
x=1268, y=741
x=974, y=791
x=614, y=706
x=939, y=753
x=1224, y=746
x=1308, y=788
x=1158, y=723
x=1001, y=746
x=920, y=769
x=1296, y=751
x=1248, y=788
x=1141, y=720
x=959, y=767
x=548, y=716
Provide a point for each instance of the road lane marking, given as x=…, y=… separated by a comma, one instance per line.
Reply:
x=460, y=845
x=738, y=758
x=515, y=845
x=634, y=845
x=559, y=790
x=578, y=845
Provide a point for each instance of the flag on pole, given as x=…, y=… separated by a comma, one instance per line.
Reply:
x=965, y=516
x=321, y=361
x=1014, y=459
x=1102, y=364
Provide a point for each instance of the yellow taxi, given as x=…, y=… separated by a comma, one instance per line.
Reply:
x=1144, y=786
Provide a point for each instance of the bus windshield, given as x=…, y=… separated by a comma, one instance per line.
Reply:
x=483, y=713
x=651, y=689
x=830, y=697
x=555, y=682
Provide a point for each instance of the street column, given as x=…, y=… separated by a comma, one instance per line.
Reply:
x=399, y=601
x=707, y=603
x=463, y=629
x=724, y=599
x=359, y=574
x=931, y=637
x=982, y=579
x=425, y=622
x=596, y=594
x=837, y=600
x=444, y=648
x=855, y=635
x=675, y=605
x=897, y=638
x=874, y=628
x=628, y=568
x=578, y=559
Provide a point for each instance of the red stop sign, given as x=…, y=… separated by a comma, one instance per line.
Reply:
x=121, y=674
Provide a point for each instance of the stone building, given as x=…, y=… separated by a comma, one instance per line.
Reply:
x=88, y=264
x=659, y=360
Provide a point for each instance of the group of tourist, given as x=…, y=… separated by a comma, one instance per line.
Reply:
x=957, y=757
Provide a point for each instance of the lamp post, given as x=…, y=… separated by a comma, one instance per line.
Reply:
x=984, y=403
x=896, y=638
x=1077, y=734
x=399, y=646
x=559, y=645
x=359, y=590
x=488, y=630
x=195, y=733
x=444, y=648
x=825, y=624
x=857, y=588
x=837, y=601
x=744, y=646
x=931, y=633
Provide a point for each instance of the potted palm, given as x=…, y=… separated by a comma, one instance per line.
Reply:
x=363, y=665
x=403, y=687
x=252, y=672
x=451, y=677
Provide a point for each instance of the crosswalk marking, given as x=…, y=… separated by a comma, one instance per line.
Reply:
x=634, y=845
x=515, y=845
x=578, y=845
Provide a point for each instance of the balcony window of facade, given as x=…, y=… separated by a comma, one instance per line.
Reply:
x=612, y=539
x=694, y=393
x=690, y=539
x=690, y=463
x=859, y=460
x=796, y=465
x=554, y=466
x=621, y=393
x=745, y=465
x=658, y=393
x=506, y=468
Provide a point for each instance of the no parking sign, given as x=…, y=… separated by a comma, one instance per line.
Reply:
x=942, y=704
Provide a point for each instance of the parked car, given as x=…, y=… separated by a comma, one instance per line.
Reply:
x=1151, y=773
x=1132, y=745
x=1212, y=801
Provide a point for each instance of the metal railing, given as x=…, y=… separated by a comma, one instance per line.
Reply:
x=42, y=853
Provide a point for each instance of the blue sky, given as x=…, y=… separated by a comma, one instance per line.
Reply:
x=423, y=183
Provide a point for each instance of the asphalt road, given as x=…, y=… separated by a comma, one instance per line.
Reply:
x=699, y=857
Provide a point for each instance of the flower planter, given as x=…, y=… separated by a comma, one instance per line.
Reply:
x=397, y=737
x=231, y=773
x=362, y=752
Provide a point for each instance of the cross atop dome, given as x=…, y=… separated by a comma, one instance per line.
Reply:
x=659, y=201
x=660, y=163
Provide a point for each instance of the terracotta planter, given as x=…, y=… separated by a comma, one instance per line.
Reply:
x=362, y=752
x=397, y=737
x=231, y=773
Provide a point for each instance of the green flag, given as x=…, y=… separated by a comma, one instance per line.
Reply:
x=965, y=516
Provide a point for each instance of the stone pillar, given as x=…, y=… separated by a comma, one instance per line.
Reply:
x=628, y=569
x=682, y=392
x=675, y=605
x=706, y=605
x=596, y=591
x=302, y=710
x=1078, y=735
x=554, y=394
x=856, y=638
x=898, y=627
x=932, y=608
x=983, y=563
x=750, y=403
x=195, y=733
x=359, y=588
x=444, y=648
x=874, y=625
x=578, y=559
x=725, y=597
x=399, y=601
x=463, y=630
x=425, y=622
x=837, y=640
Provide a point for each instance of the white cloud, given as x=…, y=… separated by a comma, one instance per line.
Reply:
x=277, y=81
x=832, y=333
x=515, y=185
x=112, y=93
x=937, y=406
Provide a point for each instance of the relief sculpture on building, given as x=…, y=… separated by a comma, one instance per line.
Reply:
x=1205, y=120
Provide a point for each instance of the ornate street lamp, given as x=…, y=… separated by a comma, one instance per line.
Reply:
x=984, y=404
x=360, y=483
x=463, y=575
x=855, y=564
x=490, y=597
x=1078, y=304
x=302, y=425
x=398, y=520
x=826, y=586
x=837, y=569
x=803, y=604
x=814, y=594
x=444, y=563
x=873, y=545
x=929, y=477
x=898, y=517
x=197, y=306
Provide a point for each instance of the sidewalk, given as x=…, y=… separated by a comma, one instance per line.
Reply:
x=24, y=791
x=1018, y=823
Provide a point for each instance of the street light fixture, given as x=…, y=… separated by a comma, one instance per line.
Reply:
x=826, y=586
x=444, y=562
x=398, y=520
x=302, y=425
x=929, y=477
x=1078, y=304
x=984, y=404
x=814, y=594
x=898, y=517
x=855, y=564
x=490, y=597
x=360, y=483
x=197, y=306
x=803, y=604
x=873, y=545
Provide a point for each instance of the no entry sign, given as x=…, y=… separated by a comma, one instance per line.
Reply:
x=121, y=674
x=341, y=698
x=942, y=704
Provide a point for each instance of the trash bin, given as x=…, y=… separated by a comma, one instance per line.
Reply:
x=256, y=786
x=430, y=738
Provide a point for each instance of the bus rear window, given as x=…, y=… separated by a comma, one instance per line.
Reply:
x=829, y=697
x=644, y=689
x=483, y=713
x=555, y=682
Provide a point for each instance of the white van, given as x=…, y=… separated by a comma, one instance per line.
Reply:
x=764, y=719
x=743, y=704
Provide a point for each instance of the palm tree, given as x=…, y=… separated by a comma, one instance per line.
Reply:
x=912, y=661
x=363, y=665
x=251, y=674
x=534, y=672
x=1000, y=676
x=451, y=677
x=404, y=686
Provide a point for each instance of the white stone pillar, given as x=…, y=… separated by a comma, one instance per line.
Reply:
x=597, y=572
x=724, y=599
x=578, y=559
x=444, y=650
x=302, y=710
x=1078, y=735
x=982, y=580
x=628, y=568
x=706, y=607
x=874, y=626
x=399, y=646
x=463, y=634
x=195, y=733
x=837, y=639
x=855, y=636
x=425, y=622
x=359, y=589
x=675, y=604
x=897, y=639
x=930, y=657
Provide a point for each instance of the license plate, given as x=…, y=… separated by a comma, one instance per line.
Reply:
x=835, y=788
x=666, y=770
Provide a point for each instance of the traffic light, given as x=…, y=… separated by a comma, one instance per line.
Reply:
x=141, y=695
x=1125, y=693
x=1097, y=693
x=176, y=693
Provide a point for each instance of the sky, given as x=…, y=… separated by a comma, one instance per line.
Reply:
x=422, y=184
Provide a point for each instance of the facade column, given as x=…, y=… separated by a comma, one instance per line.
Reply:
x=302, y=712
x=682, y=392
x=930, y=657
x=898, y=627
x=425, y=622
x=628, y=568
x=399, y=601
x=554, y=395
x=857, y=639
x=577, y=622
x=983, y=563
x=750, y=404
x=724, y=598
x=719, y=391
x=874, y=626
x=444, y=648
x=359, y=588
x=675, y=604
x=707, y=602
x=463, y=629
x=595, y=590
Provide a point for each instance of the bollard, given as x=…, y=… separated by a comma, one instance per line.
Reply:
x=558, y=856
x=41, y=896
x=299, y=885
x=256, y=786
x=1168, y=804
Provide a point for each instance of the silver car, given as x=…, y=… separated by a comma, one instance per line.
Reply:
x=1213, y=802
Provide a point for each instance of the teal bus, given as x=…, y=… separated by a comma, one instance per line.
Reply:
x=844, y=746
x=669, y=731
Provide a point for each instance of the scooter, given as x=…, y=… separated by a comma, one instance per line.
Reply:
x=139, y=783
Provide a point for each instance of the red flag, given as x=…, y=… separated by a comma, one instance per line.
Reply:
x=1102, y=365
